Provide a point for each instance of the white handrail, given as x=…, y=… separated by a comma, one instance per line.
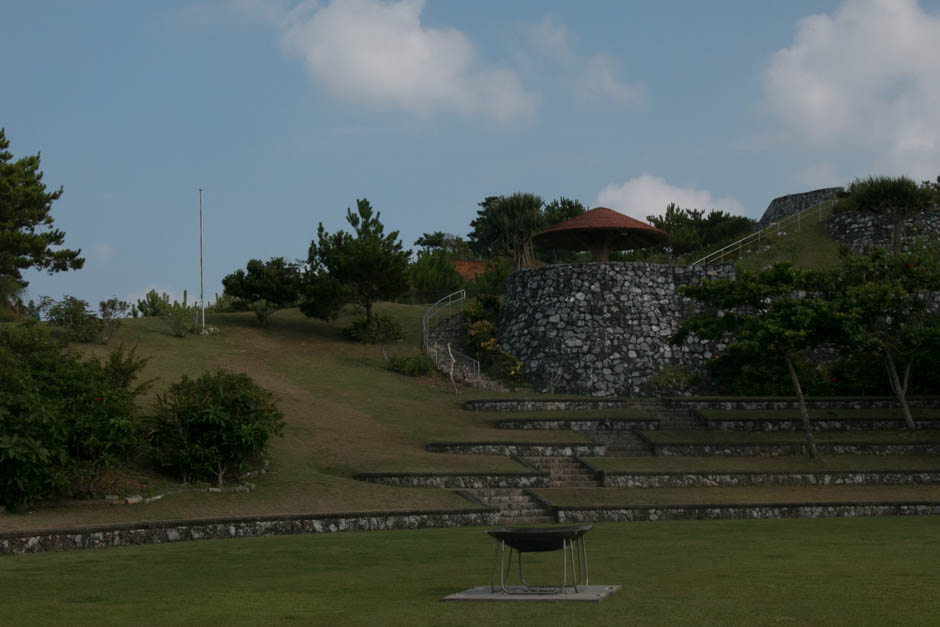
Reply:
x=738, y=246
x=427, y=322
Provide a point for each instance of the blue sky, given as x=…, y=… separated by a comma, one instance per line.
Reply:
x=287, y=112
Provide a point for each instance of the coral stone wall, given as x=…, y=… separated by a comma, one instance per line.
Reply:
x=601, y=328
x=865, y=231
x=780, y=208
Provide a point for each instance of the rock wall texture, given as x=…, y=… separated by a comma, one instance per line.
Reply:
x=17, y=543
x=864, y=231
x=601, y=329
x=780, y=208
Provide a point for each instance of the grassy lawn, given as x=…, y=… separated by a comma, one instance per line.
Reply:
x=878, y=571
x=891, y=413
x=810, y=247
x=739, y=495
x=789, y=437
x=345, y=412
x=670, y=463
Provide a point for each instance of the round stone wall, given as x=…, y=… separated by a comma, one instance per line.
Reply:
x=601, y=328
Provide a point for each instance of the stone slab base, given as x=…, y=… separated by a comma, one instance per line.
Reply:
x=485, y=593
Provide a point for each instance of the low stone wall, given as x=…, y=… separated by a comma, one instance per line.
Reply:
x=602, y=329
x=16, y=543
x=817, y=425
x=714, y=479
x=784, y=206
x=458, y=481
x=521, y=449
x=738, y=512
x=773, y=450
x=558, y=404
x=864, y=231
x=874, y=402
x=582, y=426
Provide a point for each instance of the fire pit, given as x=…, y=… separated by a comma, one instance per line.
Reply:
x=570, y=540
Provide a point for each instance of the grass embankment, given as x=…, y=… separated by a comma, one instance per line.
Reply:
x=718, y=437
x=781, y=464
x=741, y=495
x=808, y=247
x=876, y=571
x=749, y=415
x=345, y=413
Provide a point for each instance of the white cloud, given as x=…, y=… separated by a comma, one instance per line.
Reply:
x=594, y=81
x=373, y=52
x=598, y=83
x=865, y=76
x=648, y=195
x=550, y=40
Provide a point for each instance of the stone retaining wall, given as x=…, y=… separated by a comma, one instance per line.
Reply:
x=161, y=532
x=875, y=402
x=784, y=206
x=817, y=425
x=521, y=449
x=737, y=512
x=713, y=479
x=601, y=329
x=730, y=450
x=556, y=404
x=863, y=232
x=585, y=425
x=455, y=481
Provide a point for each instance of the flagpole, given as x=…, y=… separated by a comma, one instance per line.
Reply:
x=202, y=302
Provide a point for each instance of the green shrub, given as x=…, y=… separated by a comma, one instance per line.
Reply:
x=72, y=315
x=378, y=330
x=63, y=421
x=479, y=322
x=213, y=426
x=418, y=365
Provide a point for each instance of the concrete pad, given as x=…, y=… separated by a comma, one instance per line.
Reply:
x=485, y=593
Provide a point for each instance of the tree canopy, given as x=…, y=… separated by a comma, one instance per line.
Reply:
x=27, y=236
x=358, y=268
x=767, y=315
x=264, y=287
x=692, y=230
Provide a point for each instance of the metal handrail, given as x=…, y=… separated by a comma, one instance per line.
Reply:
x=738, y=246
x=432, y=313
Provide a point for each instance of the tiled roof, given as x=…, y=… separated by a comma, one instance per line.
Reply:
x=602, y=218
x=470, y=269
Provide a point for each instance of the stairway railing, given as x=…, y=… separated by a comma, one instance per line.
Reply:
x=431, y=316
x=775, y=229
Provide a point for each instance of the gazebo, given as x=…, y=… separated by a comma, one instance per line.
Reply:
x=601, y=230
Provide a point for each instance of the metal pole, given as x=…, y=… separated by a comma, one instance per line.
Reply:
x=202, y=283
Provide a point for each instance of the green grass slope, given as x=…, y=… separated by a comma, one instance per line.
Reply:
x=345, y=413
x=806, y=246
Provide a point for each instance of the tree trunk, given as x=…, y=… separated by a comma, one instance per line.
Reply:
x=899, y=387
x=810, y=440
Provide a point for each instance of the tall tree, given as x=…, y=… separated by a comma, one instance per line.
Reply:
x=360, y=268
x=893, y=298
x=768, y=315
x=505, y=225
x=264, y=287
x=27, y=237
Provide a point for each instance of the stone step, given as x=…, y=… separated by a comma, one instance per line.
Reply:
x=592, y=483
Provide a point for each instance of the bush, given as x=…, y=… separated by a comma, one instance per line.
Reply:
x=479, y=320
x=378, y=330
x=419, y=365
x=209, y=427
x=72, y=315
x=63, y=421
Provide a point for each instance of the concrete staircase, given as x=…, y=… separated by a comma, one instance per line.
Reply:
x=565, y=472
x=516, y=506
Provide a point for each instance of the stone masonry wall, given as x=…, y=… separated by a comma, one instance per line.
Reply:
x=780, y=208
x=864, y=231
x=601, y=329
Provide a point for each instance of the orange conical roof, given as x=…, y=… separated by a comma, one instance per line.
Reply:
x=601, y=230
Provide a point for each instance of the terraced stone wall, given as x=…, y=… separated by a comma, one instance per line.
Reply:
x=601, y=329
x=863, y=232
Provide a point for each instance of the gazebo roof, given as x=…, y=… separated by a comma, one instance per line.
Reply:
x=601, y=230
